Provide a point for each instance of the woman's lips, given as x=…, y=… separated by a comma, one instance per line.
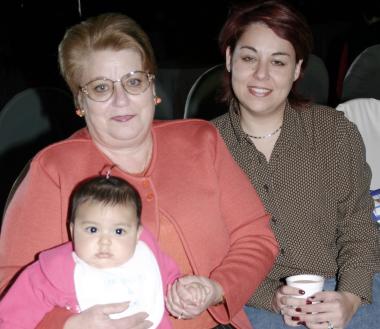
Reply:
x=123, y=118
x=259, y=92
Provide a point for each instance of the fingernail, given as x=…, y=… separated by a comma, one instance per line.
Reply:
x=301, y=292
x=308, y=302
x=298, y=309
x=295, y=318
x=301, y=323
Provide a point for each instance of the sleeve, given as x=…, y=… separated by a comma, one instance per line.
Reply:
x=357, y=235
x=26, y=302
x=32, y=222
x=253, y=247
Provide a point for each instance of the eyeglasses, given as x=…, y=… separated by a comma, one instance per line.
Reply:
x=101, y=90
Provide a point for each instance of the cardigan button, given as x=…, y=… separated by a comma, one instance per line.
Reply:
x=266, y=187
x=150, y=196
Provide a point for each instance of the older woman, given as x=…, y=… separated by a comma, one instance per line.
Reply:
x=196, y=200
x=308, y=164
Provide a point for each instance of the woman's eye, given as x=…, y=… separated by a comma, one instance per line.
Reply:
x=134, y=82
x=120, y=231
x=101, y=88
x=91, y=229
x=278, y=63
x=248, y=59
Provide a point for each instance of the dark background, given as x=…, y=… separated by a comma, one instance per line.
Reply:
x=183, y=33
x=184, y=36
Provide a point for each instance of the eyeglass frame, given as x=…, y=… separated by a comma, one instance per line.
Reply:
x=84, y=89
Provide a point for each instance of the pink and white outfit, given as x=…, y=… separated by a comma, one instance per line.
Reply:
x=60, y=278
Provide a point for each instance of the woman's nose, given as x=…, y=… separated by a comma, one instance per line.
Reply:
x=261, y=70
x=119, y=94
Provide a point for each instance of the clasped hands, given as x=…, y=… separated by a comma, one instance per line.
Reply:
x=191, y=295
x=324, y=310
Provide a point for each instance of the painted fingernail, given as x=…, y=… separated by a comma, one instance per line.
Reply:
x=301, y=323
x=301, y=292
x=308, y=302
x=298, y=309
x=295, y=318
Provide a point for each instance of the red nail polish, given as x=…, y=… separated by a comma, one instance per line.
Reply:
x=298, y=309
x=303, y=323
x=295, y=318
x=308, y=302
x=301, y=292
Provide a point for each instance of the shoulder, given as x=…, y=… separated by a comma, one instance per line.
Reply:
x=222, y=120
x=57, y=264
x=323, y=120
x=185, y=132
x=183, y=127
x=71, y=146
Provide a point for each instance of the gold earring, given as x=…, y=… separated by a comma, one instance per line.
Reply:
x=79, y=112
x=157, y=100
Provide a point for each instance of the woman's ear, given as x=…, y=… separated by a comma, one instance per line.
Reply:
x=297, y=70
x=228, y=59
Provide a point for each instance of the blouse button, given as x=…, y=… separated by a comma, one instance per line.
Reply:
x=145, y=183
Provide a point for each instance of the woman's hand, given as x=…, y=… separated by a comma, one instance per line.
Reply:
x=97, y=317
x=180, y=298
x=316, y=312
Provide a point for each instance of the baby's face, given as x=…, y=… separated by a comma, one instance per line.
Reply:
x=105, y=235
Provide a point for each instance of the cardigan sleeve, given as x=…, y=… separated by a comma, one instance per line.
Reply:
x=253, y=247
x=32, y=222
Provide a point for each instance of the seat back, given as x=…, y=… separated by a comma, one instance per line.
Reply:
x=362, y=79
x=201, y=101
x=365, y=113
x=314, y=84
x=31, y=120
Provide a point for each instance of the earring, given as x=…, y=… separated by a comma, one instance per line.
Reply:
x=79, y=112
x=157, y=100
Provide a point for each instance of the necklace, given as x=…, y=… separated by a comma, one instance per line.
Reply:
x=268, y=135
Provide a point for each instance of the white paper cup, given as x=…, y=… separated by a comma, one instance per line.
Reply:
x=309, y=283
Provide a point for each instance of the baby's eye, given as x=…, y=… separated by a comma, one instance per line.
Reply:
x=120, y=231
x=91, y=229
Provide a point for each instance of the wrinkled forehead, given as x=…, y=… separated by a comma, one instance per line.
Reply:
x=111, y=64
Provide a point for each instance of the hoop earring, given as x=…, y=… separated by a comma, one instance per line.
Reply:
x=79, y=112
x=157, y=100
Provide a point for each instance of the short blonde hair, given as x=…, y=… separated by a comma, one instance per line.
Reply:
x=107, y=31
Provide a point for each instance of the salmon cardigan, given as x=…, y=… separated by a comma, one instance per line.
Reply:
x=192, y=180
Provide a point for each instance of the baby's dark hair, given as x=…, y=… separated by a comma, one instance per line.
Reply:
x=106, y=190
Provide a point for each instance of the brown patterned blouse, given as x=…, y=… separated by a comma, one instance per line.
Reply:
x=316, y=186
